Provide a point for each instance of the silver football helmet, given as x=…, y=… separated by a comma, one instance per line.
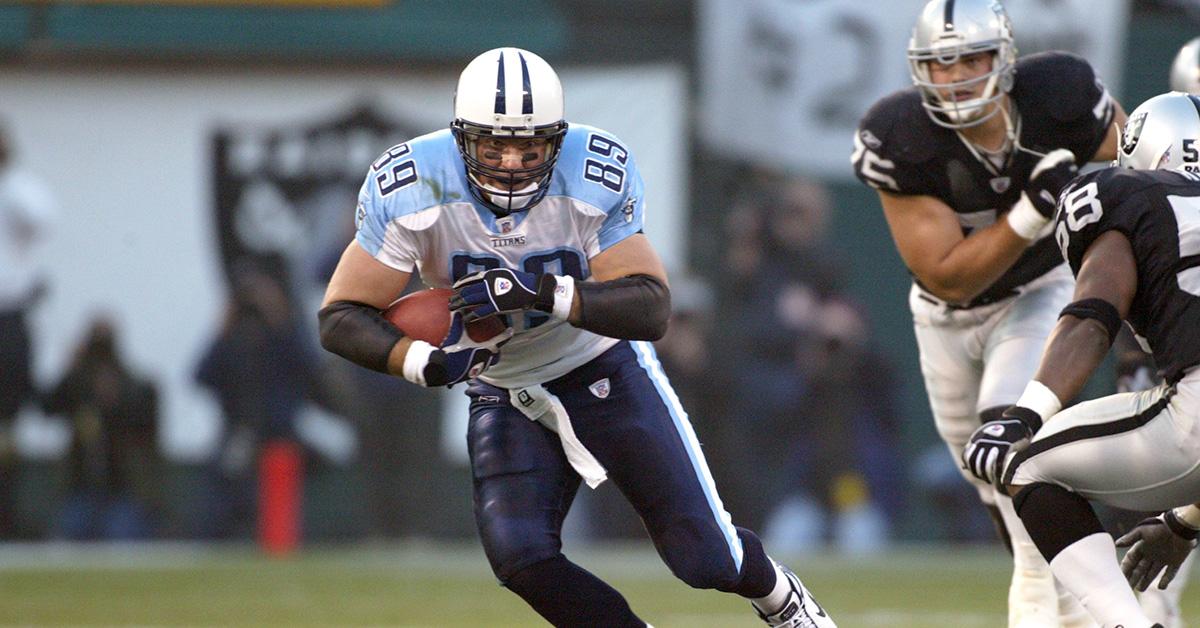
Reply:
x=1163, y=133
x=949, y=29
x=508, y=92
x=1185, y=71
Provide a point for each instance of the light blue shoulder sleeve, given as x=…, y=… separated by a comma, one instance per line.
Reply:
x=405, y=179
x=598, y=169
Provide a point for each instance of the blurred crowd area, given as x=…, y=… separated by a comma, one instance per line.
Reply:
x=813, y=428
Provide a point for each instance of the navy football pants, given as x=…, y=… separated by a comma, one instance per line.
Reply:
x=523, y=484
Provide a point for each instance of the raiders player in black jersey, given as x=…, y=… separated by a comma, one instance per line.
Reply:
x=1136, y=371
x=967, y=164
x=1132, y=238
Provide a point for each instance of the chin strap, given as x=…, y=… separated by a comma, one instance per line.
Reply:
x=503, y=198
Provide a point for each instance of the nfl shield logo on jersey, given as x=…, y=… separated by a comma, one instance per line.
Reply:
x=506, y=224
x=1000, y=184
x=600, y=388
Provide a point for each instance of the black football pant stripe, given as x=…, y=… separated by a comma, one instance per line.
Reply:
x=1084, y=432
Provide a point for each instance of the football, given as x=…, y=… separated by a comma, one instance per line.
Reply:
x=425, y=315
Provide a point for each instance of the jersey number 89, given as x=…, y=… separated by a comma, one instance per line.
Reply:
x=610, y=175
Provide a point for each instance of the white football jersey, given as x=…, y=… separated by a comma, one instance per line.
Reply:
x=415, y=211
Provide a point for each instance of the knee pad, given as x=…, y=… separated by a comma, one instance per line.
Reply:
x=1054, y=517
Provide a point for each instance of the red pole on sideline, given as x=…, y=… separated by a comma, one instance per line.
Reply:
x=280, y=486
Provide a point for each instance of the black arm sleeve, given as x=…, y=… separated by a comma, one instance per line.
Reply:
x=359, y=333
x=636, y=307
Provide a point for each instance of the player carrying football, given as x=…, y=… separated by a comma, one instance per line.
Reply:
x=541, y=222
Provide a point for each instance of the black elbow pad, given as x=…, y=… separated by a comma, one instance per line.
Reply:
x=636, y=307
x=359, y=333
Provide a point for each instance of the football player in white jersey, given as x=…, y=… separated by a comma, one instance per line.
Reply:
x=966, y=163
x=1131, y=235
x=540, y=222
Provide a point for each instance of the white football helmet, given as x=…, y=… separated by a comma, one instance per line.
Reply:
x=1185, y=71
x=508, y=92
x=949, y=29
x=1163, y=133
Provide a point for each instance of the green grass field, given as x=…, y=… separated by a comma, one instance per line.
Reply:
x=425, y=585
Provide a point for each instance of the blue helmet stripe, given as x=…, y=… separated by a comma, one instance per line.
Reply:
x=500, y=106
x=527, y=101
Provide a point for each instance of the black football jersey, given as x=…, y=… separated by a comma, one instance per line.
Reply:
x=1059, y=103
x=1159, y=212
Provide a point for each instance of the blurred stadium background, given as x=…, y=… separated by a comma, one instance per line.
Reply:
x=202, y=159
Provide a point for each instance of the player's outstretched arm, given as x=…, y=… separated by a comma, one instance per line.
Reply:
x=1086, y=329
x=1104, y=289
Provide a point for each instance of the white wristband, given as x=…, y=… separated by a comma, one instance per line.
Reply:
x=564, y=296
x=1040, y=399
x=1189, y=515
x=415, y=361
x=1025, y=219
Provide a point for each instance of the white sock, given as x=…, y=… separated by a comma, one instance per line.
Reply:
x=1072, y=614
x=775, y=600
x=1089, y=569
x=1032, y=596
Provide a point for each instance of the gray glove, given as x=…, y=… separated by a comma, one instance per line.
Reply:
x=1156, y=544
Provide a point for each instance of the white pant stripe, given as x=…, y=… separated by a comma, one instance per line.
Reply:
x=649, y=361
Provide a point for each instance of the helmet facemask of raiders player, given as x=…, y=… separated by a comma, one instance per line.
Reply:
x=949, y=30
x=1163, y=133
x=509, y=96
x=1185, y=71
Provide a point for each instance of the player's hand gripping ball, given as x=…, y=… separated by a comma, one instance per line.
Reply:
x=425, y=315
x=463, y=350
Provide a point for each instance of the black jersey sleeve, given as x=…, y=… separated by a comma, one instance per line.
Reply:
x=1095, y=203
x=889, y=153
x=1065, y=103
